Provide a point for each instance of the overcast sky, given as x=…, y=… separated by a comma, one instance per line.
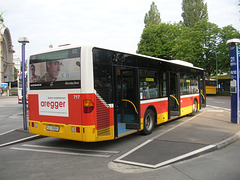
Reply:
x=114, y=24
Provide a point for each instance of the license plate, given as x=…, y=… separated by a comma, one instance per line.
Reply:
x=53, y=128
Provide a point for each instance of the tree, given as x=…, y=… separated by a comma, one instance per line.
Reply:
x=203, y=43
x=159, y=40
x=194, y=11
x=223, y=57
x=198, y=45
x=153, y=16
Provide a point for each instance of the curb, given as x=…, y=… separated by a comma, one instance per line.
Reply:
x=227, y=141
x=207, y=149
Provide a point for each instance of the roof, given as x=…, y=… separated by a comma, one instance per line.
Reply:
x=68, y=46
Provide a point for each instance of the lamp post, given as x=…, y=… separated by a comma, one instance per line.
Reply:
x=24, y=41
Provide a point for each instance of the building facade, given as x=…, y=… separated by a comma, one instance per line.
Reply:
x=17, y=62
x=6, y=55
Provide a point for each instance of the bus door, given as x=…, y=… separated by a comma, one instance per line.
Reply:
x=202, y=88
x=126, y=100
x=174, y=95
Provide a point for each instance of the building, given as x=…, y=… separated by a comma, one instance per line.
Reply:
x=6, y=55
x=17, y=62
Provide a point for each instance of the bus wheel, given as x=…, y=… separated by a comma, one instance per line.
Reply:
x=194, y=108
x=149, y=122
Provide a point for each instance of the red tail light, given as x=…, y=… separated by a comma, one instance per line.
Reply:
x=88, y=106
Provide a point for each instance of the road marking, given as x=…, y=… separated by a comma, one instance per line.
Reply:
x=63, y=148
x=216, y=107
x=219, y=102
x=65, y=151
x=19, y=140
x=215, y=110
x=119, y=159
x=58, y=152
x=184, y=156
x=7, y=132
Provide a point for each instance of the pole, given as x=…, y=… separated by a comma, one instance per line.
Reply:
x=24, y=89
x=23, y=41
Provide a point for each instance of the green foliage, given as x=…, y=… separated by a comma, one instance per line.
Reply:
x=195, y=40
x=198, y=45
x=202, y=44
x=15, y=73
x=158, y=40
x=194, y=11
x=226, y=33
x=153, y=16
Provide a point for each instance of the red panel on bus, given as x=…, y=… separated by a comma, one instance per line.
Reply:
x=160, y=106
x=74, y=108
x=188, y=101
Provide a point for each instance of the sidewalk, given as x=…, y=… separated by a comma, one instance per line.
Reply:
x=209, y=130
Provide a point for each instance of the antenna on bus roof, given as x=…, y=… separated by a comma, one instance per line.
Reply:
x=64, y=45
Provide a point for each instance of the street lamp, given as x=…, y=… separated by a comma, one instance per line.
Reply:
x=24, y=41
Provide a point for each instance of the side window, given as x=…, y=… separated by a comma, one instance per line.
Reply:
x=152, y=84
x=194, y=85
x=188, y=84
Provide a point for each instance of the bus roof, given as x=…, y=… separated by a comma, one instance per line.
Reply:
x=68, y=46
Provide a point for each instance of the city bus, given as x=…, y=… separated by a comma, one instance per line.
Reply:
x=211, y=86
x=92, y=94
x=19, y=85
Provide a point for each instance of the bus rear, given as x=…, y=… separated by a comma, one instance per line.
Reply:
x=211, y=87
x=58, y=106
x=19, y=81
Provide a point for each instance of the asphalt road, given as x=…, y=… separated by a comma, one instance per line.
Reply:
x=52, y=158
x=219, y=101
x=10, y=114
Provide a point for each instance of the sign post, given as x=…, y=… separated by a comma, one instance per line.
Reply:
x=234, y=83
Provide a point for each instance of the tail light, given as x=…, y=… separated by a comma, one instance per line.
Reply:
x=88, y=106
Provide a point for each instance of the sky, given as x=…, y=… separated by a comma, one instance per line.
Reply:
x=113, y=24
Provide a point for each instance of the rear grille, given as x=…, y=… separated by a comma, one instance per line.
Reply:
x=103, y=118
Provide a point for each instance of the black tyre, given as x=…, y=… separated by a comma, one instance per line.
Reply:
x=149, y=122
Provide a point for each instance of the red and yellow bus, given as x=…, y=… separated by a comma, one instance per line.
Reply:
x=93, y=94
x=19, y=84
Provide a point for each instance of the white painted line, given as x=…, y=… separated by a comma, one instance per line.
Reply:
x=216, y=107
x=214, y=110
x=135, y=164
x=148, y=141
x=170, y=161
x=131, y=151
x=7, y=132
x=59, y=152
x=184, y=156
x=175, y=127
x=62, y=148
x=19, y=140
